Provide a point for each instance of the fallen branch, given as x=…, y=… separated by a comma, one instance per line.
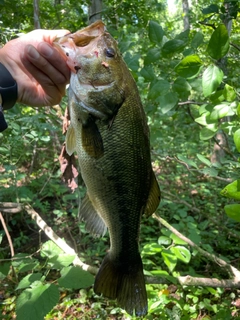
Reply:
x=184, y=280
x=58, y=241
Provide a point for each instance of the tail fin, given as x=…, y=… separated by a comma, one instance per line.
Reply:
x=124, y=283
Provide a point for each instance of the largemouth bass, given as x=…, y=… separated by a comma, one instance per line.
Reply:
x=109, y=132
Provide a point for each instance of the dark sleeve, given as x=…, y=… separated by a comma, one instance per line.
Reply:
x=9, y=94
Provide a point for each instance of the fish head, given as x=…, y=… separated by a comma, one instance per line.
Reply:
x=95, y=61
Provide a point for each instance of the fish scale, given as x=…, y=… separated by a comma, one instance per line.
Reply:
x=109, y=132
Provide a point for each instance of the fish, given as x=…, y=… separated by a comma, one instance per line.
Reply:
x=109, y=132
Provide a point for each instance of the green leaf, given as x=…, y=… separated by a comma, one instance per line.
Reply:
x=132, y=61
x=23, y=263
x=164, y=240
x=169, y=259
x=189, y=67
x=176, y=239
x=155, y=32
x=213, y=8
x=4, y=269
x=75, y=278
x=61, y=260
x=203, y=120
x=236, y=138
x=211, y=79
x=197, y=40
x=148, y=73
x=182, y=87
x=187, y=161
x=168, y=102
x=210, y=172
x=161, y=87
x=181, y=253
x=233, y=211
x=232, y=190
x=208, y=132
x=152, y=56
x=50, y=249
x=173, y=46
x=28, y=280
x=219, y=43
x=220, y=111
x=36, y=302
x=204, y=160
x=229, y=93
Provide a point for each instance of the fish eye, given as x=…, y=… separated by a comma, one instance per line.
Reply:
x=110, y=52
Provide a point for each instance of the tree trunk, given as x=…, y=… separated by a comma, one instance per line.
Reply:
x=95, y=11
x=186, y=21
x=36, y=14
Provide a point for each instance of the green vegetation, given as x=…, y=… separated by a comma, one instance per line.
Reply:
x=189, y=84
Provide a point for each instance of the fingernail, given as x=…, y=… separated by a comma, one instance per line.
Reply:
x=32, y=52
x=45, y=49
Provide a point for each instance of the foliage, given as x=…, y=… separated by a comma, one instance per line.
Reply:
x=189, y=84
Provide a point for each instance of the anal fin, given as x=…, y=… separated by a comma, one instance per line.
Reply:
x=94, y=223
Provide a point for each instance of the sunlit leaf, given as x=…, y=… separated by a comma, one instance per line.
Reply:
x=236, y=138
x=232, y=190
x=208, y=132
x=211, y=79
x=50, y=249
x=28, y=280
x=218, y=45
x=220, y=111
x=189, y=66
x=229, y=93
x=169, y=259
x=182, y=253
x=233, y=211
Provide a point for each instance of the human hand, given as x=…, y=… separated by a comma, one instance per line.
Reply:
x=39, y=69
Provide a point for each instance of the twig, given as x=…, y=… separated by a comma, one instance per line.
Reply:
x=7, y=234
x=190, y=102
x=235, y=46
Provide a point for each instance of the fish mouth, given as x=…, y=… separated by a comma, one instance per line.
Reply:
x=98, y=86
x=85, y=36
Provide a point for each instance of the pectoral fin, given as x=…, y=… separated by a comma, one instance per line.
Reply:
x=94, y=223
x=92, y=140
x=70, y=140
x=153, y=198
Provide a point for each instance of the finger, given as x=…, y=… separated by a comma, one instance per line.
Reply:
x=45, y=90
x=46, y=73
x=56, y=60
